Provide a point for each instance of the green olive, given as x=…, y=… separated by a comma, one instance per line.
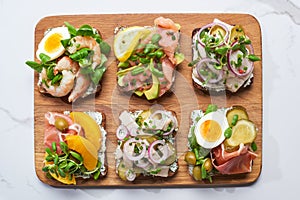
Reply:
x=61, y=124
x=190, y=158
x=197, y=173
x=208, y=165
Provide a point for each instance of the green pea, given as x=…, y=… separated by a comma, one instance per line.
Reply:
x=228, y=133
x=144, y=60
x=53, y=146
x=159, y=53
x=76, y=156
x=123, y=64
x=234, y=120
x=61, y=173
x=253, y=146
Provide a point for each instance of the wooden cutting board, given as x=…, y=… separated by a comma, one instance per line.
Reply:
x=183, y=99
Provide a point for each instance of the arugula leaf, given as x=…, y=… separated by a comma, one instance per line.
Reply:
x=81, y=54
x=56, y=79
x=71, y=29
x=105, y=48
x=35, y=66
x=97, y=75
x=44, y=58
x=211, y=108
x=50, y=73
x=85, y=30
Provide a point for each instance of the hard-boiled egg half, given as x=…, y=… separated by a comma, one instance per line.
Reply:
x=51, y=43
x=209, y=130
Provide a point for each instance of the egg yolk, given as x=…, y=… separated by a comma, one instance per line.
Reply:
x=210, y=130
x=53, y=43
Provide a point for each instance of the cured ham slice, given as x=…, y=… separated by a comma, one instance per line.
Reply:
x=236, y=162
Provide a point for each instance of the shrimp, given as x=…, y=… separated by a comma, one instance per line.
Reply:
x=65, y=86
x=80, y=42
x=165, y=23
x=66, y=63
x=81, y=85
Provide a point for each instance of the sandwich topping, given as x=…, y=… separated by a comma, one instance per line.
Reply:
x=223, y=57
x=148, y=57
x=75, y=146
x=220, y=141
x=71, y=61
x=146, y=144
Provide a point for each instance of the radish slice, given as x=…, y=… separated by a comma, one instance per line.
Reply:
x=207, y=72
x=129, y=151
x=152, y=152
x=122, y=132
x=246, y=65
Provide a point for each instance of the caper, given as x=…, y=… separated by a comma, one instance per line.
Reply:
x=190, y=158
x=197, y=173
x=61, y=124
x=208, y=165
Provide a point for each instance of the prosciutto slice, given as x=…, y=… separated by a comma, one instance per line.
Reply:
x=52, y=134
x=236, y=162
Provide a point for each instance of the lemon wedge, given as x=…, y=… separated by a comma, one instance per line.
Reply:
x=243, y=132
x=127, y=39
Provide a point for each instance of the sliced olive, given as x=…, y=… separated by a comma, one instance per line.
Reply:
x=197, y=173
x=190, y=158
x=208, y=165
x=61, y=124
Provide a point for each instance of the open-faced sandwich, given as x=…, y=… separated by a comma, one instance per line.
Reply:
x=223, y=58
x=71, y=61
x=146, y=144
x=75, y=146
x=147, y=57
x=221, y=142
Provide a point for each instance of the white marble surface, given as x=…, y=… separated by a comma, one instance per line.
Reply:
x=280, y=23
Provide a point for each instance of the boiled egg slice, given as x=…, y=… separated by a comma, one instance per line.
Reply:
x=209, y=130
x=51, y=43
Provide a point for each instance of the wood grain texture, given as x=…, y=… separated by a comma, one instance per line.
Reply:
x=182, y=99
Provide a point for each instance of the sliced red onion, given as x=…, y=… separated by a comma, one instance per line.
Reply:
x=235, y=70
x=130, y=175
x=210, y=26
x=122, y=132
x=133, y=141
x=151, y=151
x=164, y=116
x=207, y=62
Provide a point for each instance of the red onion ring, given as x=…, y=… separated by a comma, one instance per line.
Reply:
x=236, y=70
x=151, y=149
x=201, y=63
x=164, y=113
x=126, y=149
x=210, y=26
x=122, y=132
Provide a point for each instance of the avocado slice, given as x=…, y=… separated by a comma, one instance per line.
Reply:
x=153, y=92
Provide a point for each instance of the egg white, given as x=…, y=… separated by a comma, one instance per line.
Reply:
x=63, y=31
x=220, y=117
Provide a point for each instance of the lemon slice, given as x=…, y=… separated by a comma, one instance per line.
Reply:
x=127, y=39
x=243, y=132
